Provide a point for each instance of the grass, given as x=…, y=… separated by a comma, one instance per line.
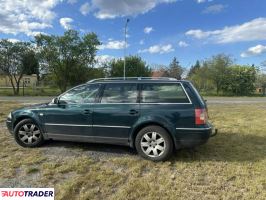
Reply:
x=230, y=166
x=29, y=91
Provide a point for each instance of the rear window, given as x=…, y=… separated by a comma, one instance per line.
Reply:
x=163, y=93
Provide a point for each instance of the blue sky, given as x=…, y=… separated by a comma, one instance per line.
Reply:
x=158, y=29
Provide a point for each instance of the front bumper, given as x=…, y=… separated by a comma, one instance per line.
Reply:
x=9, y=126
x=191, y=137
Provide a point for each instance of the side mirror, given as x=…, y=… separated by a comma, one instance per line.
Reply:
x=55, y=100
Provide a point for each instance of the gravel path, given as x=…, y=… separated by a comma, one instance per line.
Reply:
x=72, y=149
x=58, y=151
x=26, y=99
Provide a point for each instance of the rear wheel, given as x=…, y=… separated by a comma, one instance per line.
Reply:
x=154, y=143
x=28, y=134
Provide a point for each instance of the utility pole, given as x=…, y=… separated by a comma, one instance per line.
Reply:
x=125, y=47
x=23, y=86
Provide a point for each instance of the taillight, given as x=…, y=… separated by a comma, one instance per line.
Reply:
x=201, y=116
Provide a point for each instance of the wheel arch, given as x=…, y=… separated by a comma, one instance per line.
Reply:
x=19, y=119
x=150, y=123
x=22, y=117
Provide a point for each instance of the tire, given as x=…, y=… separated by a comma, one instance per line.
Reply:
x=154, y=143
x=28, y=134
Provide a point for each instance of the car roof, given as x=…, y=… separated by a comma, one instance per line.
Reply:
x=136, y=79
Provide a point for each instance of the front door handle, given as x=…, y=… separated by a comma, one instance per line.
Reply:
x=133, y=112
x=87, y=112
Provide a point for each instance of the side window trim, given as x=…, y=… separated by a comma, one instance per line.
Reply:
x=139, y=90
x=139, y=95
x=190, y=102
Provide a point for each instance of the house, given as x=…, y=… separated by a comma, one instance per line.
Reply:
x=261, y=90
x=28, y=80
x=158, y=73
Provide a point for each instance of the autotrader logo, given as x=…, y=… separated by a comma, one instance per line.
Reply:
x=27, y=193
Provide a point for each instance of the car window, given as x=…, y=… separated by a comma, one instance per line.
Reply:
x=120, y=93
x=81, y=94
x=163, y=93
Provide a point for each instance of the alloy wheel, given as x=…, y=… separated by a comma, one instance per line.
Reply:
x=152, y=144
x=29, y=133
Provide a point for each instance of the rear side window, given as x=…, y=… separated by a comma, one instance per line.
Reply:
x=163, y=93
x=120, y=93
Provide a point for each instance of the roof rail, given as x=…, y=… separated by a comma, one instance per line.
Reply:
x=132, y=78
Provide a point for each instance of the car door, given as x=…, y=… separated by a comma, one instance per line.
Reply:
x=72, y=115
x=116, y=112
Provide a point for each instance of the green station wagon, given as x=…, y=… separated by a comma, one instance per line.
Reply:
x=153, y=115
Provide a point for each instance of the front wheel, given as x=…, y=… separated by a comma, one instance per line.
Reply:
x=154, y=143
x=28, y=134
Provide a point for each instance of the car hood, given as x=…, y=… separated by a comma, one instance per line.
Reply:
x=34, y=106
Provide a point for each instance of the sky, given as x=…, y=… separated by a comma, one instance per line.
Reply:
x=158, y=30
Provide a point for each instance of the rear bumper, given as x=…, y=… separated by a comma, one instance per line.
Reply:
x=190, y=137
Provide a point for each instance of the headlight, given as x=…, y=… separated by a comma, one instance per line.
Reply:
x=9, y=116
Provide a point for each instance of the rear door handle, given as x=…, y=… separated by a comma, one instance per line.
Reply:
x=133, y=112
x=87, y=112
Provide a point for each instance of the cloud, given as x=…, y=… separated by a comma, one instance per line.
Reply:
x=248, y=31
x=119, y=8
x=104, y=58
x=214, y=9
x=197, y=33
x=72, y=1
x=203, y=1
x=85, y=8
x=28, y=16
x=148, y=30
x=161, y=49
x=254, y=51
x=141, y=42
x=66, y=22
x=113, y=44
x=13, y=40
x=183, y=44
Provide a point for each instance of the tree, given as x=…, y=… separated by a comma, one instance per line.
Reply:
x=261, y=77
x=99, y=72
x=11, y=61
x=201, y=78
x=194, y=69
x=175, y=70
x=240, y=80
x=261, y=82
x=263, y=67
x=218, y=68
x=135, y=67
x=67, y=57
x=31, y=64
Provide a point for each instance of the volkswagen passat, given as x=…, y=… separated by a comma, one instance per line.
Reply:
x=154, y=116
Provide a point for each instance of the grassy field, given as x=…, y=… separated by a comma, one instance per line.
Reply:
x=230, y=166
x=29, y=91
